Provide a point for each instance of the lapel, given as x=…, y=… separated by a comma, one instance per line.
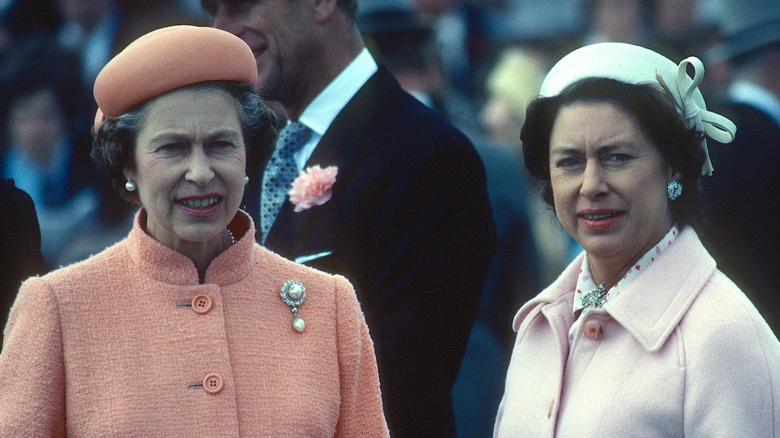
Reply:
x=342, y=145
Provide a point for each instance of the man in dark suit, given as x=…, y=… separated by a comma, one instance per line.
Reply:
x=409, y=221
x=744, y=192
x=20, y=245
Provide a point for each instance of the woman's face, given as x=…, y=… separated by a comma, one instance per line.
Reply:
x=609, y=183
x=190, y=163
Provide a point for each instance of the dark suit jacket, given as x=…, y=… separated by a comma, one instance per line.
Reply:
x=743, y=196
x=410, y=225
x=20, y=244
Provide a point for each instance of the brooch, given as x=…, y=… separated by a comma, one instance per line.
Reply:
x=294, y=294
x=596, y=298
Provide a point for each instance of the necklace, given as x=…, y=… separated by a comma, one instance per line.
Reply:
x=232, y=238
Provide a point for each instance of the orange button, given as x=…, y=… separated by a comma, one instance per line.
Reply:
x=202, y=304
x=213, y=383
x=593, y=330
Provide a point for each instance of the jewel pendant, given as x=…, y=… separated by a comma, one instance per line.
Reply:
x=298, y=324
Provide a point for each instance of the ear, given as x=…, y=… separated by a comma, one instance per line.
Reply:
x=129, y=173
x=323, y=9
x=676, y=176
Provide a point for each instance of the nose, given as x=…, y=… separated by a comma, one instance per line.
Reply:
x=593, y=182
x=199, y=169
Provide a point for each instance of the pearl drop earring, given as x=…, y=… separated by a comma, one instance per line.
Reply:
x=130, y=185
x=246, y=179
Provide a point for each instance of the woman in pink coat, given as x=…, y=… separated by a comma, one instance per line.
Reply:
x=187, y=327
x=641, y=335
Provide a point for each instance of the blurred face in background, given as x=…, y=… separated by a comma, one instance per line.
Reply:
x=36, y=124
x=87, y=13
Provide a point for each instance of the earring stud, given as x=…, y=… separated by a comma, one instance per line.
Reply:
x=130, y=185
x=246, y=179
x=674, y=190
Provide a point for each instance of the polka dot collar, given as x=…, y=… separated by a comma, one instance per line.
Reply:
x=588, y=293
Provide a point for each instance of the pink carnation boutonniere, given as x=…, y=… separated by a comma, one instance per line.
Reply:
x=314, y=186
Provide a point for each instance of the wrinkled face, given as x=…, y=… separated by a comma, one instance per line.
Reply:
x=609, y=182
x=190, y=163
x=279, y=32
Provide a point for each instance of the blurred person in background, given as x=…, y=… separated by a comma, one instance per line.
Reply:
x=622, y=21
x=20, y=245
x=41, y=107
x=641, y=335
x=744, y=198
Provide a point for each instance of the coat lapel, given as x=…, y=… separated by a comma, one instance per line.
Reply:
x=342, y=146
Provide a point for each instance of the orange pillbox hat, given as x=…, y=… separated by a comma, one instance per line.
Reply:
x=170, y=58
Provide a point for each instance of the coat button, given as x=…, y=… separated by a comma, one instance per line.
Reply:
x=202, y=304
x=593, y=330
x=213, y=383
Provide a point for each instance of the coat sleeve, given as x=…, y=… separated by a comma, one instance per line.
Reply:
x=32, y=380
x=360, y=412
x=732, y=370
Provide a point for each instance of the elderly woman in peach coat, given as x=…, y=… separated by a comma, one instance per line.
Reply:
x=641, y=336
x=187, y=327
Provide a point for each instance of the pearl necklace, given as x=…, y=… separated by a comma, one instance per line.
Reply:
x=232, y=237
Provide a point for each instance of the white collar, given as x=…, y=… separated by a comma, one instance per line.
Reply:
x=328, y=104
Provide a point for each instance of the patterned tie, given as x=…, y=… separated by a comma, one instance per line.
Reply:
x=280, y=172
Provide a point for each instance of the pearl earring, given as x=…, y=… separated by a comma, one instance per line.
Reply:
x=246, y=179
x=674, y=190
x=130, y=185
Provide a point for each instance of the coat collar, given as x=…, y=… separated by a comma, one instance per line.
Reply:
x=153, y=259
x=655, y=302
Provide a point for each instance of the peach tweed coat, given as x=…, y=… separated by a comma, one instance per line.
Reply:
x=113, y=346
x=681, y=352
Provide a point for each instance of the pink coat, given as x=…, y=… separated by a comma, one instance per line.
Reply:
x=113, y=346
x=681, y=352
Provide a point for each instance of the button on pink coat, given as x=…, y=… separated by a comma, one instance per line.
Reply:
x=114, y=347
x=681, y=352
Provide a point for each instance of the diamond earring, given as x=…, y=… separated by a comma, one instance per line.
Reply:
x=130, y=185
x=674, y=190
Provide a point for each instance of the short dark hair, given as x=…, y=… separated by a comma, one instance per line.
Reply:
x=656, y=115
x=113, y=143
x=349, y=7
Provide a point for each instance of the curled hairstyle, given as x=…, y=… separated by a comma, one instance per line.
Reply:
x=113, y=143
x=655, y=114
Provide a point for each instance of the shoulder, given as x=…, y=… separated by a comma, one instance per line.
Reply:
x=722, y=325
x=97, y=269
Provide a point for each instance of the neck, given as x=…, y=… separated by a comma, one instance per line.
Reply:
x=333, y=59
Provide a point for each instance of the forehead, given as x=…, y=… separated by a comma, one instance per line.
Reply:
x=190, y=108
x=595, y=124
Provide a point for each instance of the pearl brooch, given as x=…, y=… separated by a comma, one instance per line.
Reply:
x=294, y=294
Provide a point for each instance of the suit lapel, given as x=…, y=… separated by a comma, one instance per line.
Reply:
x=340, y=146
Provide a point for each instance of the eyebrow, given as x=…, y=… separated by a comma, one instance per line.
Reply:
x=600, y=150
x=175, y=136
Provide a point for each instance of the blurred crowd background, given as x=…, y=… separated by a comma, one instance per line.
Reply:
x=478, y=62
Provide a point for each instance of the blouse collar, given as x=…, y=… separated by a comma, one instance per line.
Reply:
x=586, y=285
x=164, y=264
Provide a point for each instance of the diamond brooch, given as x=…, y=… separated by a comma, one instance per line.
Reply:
x=294, y=294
